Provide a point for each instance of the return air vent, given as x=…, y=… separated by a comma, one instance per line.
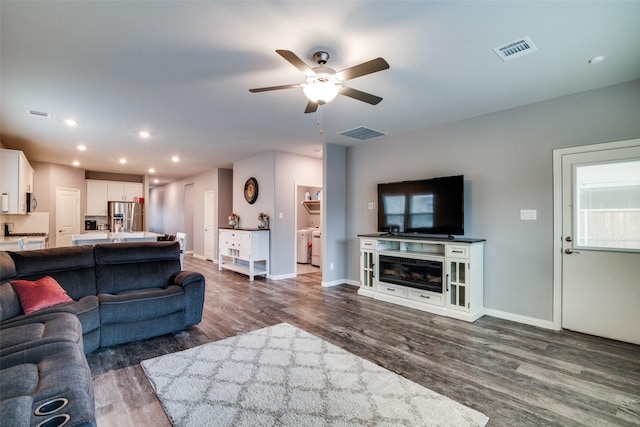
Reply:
x=362, y=133
x=34, y=113
x=515, y=49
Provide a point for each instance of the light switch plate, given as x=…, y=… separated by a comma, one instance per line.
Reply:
x=372, y=206
x=528, y=214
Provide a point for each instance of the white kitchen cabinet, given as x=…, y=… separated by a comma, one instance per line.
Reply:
x=97, y=198
x=100, y=193
x=16, y=180
x=244, y=251
x=123, y=191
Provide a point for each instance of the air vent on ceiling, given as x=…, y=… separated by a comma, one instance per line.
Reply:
x=34, y=113
x=515, y=49
x=361, y=133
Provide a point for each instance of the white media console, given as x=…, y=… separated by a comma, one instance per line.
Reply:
x=439, y=275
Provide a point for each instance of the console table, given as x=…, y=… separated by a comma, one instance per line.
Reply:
x=432, y=274
x=244, y=251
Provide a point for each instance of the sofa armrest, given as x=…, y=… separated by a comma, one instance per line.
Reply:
x=193, y=284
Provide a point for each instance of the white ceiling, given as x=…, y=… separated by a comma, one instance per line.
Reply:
x=182, y=70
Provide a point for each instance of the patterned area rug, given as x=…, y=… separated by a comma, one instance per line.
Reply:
x=283, y=376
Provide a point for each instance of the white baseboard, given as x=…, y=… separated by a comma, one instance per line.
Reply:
x=340, y=282
x=282, y=276
x=540, y=323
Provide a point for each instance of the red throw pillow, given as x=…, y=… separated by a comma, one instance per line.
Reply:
x=39, y=294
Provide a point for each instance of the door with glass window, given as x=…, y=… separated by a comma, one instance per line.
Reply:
x=601, y=242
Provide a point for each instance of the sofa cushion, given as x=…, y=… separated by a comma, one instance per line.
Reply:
x=141, y=304
x=18, y=410
x=43, y=329
x=122, y=267
x=46, y=372
x=86, y=309
x=38, y=294
x=7, y=267
x=72, y=267
x=9, y=303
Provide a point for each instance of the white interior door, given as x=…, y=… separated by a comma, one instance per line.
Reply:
x=209, y=225
x=601, y=242
x=67, y=215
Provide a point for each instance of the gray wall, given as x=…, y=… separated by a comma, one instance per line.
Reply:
x=277, y=174
x=506, y=158
x=335, y=240
x=179, y=206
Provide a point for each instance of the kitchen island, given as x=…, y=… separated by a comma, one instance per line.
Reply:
x=19, y=243
x=123, y=237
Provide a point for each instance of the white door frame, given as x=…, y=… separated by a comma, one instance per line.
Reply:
x=557, y=215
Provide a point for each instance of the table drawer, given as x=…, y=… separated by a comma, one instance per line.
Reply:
x=399, y=291
x=458, y=251
x=367, y=244
x=426, y=297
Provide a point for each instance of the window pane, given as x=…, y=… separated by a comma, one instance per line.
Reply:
x=608, y=205
x=421, y=211
x=394, y=211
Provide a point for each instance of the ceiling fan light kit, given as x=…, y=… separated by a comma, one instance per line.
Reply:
x=323, y=84
x=320, y=91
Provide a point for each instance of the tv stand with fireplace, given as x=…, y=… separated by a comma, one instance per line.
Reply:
x=429, y=273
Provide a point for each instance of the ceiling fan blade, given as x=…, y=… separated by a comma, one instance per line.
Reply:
x=295, y=61
x=363, y=69
x=360, y=96
x=311, y=107
x=264, y=89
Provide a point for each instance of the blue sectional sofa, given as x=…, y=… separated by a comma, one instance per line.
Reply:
x=119, y=293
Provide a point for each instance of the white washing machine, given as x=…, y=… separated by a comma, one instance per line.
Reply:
x=303, y=243
x=316, y=248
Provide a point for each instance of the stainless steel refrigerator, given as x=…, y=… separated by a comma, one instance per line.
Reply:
x=126, y=216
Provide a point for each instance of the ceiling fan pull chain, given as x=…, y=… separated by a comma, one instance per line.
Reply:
x=319, y=123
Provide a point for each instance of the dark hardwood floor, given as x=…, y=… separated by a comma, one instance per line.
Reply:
x=516, y=374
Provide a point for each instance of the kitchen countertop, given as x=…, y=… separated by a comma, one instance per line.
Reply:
x=115, y=237
x=26, y=239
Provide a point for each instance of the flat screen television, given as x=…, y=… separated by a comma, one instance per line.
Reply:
x=428, y=206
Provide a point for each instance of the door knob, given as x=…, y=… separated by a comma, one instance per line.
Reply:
x=570, y=251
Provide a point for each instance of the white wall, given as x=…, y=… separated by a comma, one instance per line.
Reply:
x=506, y=158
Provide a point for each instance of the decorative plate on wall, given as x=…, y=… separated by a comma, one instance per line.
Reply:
x=251, y=190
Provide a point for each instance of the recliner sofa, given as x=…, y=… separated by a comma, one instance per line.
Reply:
x=121, y=293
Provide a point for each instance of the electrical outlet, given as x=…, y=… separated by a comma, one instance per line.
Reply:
x=280, y=215
x=372, y=206
x=528, y=214
x=330, y=266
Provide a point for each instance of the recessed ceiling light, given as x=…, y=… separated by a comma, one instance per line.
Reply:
x=76, y=163
x=71, y=122
x=123, y=161
x=144, y=134
x=596, y=59
x=81, y=147
x=152, y=170
x=175, y=159
x=155, y=181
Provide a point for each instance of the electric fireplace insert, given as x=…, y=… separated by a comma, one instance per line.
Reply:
x=417, y=273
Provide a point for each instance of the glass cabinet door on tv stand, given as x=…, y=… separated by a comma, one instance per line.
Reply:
x=367, y=265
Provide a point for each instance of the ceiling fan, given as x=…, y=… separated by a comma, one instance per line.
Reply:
x=322, y=83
